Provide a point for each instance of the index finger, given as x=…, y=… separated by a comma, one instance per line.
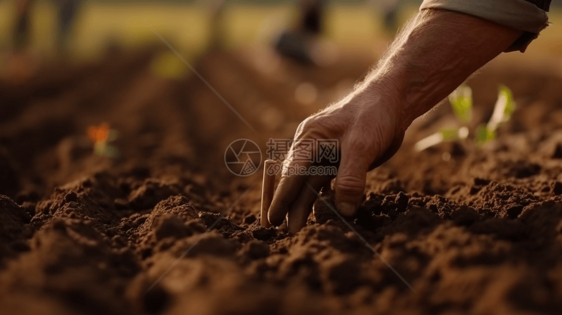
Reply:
x=289, y=187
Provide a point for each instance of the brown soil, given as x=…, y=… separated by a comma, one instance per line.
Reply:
x=480, y=233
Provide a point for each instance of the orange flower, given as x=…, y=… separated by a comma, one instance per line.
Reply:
x=98, y=134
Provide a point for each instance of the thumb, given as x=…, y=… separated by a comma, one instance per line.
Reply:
x=350, y=181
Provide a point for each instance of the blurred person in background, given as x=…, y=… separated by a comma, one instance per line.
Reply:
x=66, y=14
x=390, y=8
x=445, y=43
x=20, y=65
x=22, y=26
x=216, y=9
x=297, y=43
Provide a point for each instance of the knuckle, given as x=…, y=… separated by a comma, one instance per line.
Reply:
x=316, y=127
x=366, y=143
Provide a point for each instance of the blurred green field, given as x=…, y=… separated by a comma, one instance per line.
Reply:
x=187, y=26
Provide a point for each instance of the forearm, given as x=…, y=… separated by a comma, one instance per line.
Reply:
x=434, y=54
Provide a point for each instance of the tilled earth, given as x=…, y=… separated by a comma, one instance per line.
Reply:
x=470, y=230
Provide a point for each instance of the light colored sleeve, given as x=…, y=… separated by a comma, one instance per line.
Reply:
x=517, y=14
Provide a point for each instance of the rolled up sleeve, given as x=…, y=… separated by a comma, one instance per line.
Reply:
x=527, y=16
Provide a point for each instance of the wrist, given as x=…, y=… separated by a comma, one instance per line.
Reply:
x=411, y=88
x=389, y=92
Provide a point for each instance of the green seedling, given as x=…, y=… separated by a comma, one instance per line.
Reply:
x=504, y=108
x=443, y=135
x=104, y=148
x=461, y=103
x=102, y=136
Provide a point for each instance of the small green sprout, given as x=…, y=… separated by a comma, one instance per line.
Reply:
x=461, y=103
x=443, y=135
x=103, y=148
x=504, y=108
x=483, y=135
x=102, y=136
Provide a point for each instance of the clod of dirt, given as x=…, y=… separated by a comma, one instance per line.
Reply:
x=150, y=193
x=479, y=183
x=322, y=210
x=336, y=272
x=264, y=234
x=255, y=249
x=176, y=205
x=171, y=225
x=556, y=188
x=209, y=244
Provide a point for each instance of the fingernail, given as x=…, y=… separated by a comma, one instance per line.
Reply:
x=346, y=209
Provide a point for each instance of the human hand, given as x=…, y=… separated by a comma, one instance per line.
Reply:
x=431, y=57
x=369, y=129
